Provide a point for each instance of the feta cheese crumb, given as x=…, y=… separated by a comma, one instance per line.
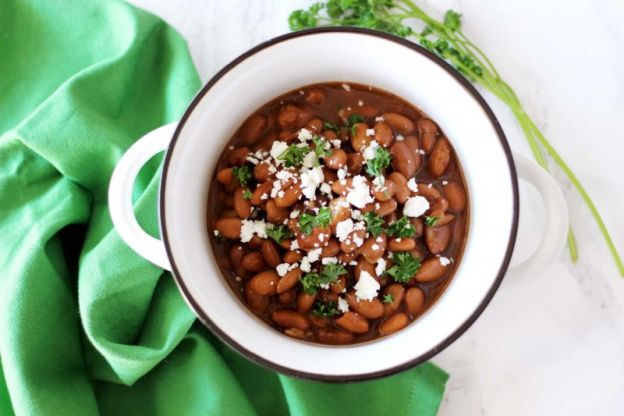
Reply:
x=399, y=138
x=381, y=266
x=412, y=185
x=344, y=228
x=305, y=265
x=310, y=180
x=343, y=305
x=336, y=143
x=359, y=196
x=326, y=188
x=277, y=149
x=369, y=152
x=294, y=214
x=282, y=269
x=370, y=132
x=379, y=118
x=346, y=87
x=367, y=287
x=422, y=152
x=444, y=261
x=342, y=173
x=216, y=233
x=309, y=160
x=249, y=228
x=415, y=206
x=314, y=255
x=284, y=175
x=294, y=245
x=444, y=183
x=304, y=134
x=329, y=260
x=360, y=103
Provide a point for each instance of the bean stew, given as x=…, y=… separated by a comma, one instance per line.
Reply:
x=338, y=213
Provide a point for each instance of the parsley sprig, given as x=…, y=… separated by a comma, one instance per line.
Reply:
x=405, y=267
x=388, y=298
x=430, y=221
x=294, y=154
x=311, y=282
x=379, y=162
x=446, y=39
x=325, y=309
x=278, y=232
x=308, y=221
x=374, y=223
x=242, y=173
x=401, y=228
x=319, y=148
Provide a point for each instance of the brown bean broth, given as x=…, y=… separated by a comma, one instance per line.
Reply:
x=336, y=98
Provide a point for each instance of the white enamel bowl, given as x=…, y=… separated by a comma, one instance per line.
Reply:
x=347, y=55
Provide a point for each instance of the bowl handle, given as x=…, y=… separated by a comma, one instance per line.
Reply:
x=556, y=229
x=120, y=195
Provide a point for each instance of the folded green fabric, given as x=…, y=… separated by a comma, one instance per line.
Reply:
x=87, y=326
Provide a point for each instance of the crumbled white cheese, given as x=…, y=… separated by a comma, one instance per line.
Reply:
x=294, y=245
x=249, y=228
x=369, y=152
x=217, y=233
x=379, y=118
x=370, y=132
x=305, y=265
x=356, y=214
x=277, y=186
x=304, y=134
x=342, y=173
x=359, y=195
x=346, y=87
x=343, y=305
x=375, y=246
x=336, y=143
x=415, y=206
x=294, y=213
x=284, y=175
x=360, y=103
x=399, y=138
x=422, y=152
x=314, y=255
x=272, y=169
x=353, y=263
x=329, y=260
x=412, y=185
x=281, y=194
x=310, y=180
x=282, y=269
x=444, y=183
x=277, y=148
x=367, y=287
x=344, y=228
x=326, y=189
x=444, y=261
x=381, y=266
x=378, y=183
x=237, y=278
x=309, y=160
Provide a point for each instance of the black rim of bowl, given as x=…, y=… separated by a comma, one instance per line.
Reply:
x=205, y=319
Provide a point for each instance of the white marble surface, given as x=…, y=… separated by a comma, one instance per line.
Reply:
x=548, y=344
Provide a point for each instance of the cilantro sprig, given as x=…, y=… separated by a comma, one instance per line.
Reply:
x=242, y=173
x=278, y=232
x=388, y=298
x=430, y=221
x=401, y=228
x=294, y=154
x=311, y=282
x=374, y=223
x=319, y=148
x=308, y=221
x=379, y=162
x=325, y=309
x=405, y=267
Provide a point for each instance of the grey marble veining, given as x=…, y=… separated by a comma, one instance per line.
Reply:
x=549, y=343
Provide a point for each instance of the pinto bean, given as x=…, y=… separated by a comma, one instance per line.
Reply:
x=291, y=117
x=355, y=161
x=386, y=191
x=287, y=298
x=414, y=145
x=431, y=269
x=414, y=301
x=437, y=238
x=292, y=256
x=383, y=134
x=264, y=283
x=252, y=129
x=401, y=191
x=314, y=96
x=254, y=262
x=429, y=192
x=371, y=309
x=255, y=301
x=315, y=125
x=399, y=122
x=349, y=244
x=262, y=172
x=340, y=210
x=393, y=324
x=319, y=321
x=237, y=157
x=242, y=206
x=427, y=132
x=270, y=253
x=336, y=160
x=291, y=196
x=305, y=302
x=333, y=337
x=368, y=111
x=359, y=139
x=290, y=319
x=397, y=291
x=373, y=248
x=229, y=227
x=338, y=286
x=386, y=207
x=332, y=249
x=225, y=176
x=439, y=204
x=236, y=255
x=401, y=244
x=274, y=214
x=363, y=266
x=261, y=193
x=289, y=280
x=352, y=322
x=228, y=201
x=330, y=135
x=439, y=158
x=403, y=159
x=456, y=196
x=318, y=238
x=294, y=333
x=255, y=242
x=347, y=258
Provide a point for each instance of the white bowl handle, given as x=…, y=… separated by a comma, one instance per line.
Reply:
x=120, y=195
x=556, y=229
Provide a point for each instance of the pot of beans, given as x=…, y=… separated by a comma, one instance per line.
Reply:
x=336, y=212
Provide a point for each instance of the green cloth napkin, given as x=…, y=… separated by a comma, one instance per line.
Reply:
x=87, y=326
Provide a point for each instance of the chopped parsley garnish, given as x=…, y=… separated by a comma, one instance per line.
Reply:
x=308, y=221
x=242, y=174
x=329, y=126
x=319, y=147
x=388, y=298
x=401, y=228
x=293, y=156
x=353, y=118
x=326, y=309
x=379, y=162
x=278, y=232
x=374, y=223
x=431, y=221
x=247, y=193
x=311, y=282
x=405, y=267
